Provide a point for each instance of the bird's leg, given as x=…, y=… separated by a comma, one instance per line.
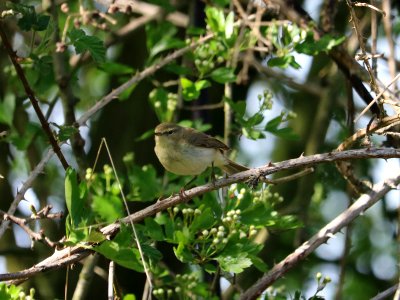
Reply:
x=182, y=191
x=212, y=174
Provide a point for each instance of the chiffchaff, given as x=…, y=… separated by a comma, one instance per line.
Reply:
x=186, y=151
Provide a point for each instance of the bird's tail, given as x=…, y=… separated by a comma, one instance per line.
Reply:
x=231, y=167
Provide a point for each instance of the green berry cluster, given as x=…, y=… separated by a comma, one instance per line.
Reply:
x=182, y=287
x=208, y=55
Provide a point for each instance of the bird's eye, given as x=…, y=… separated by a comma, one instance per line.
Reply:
x=170, y=132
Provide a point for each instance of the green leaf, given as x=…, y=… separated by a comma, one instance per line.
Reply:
x=183, y=253
x=252, y=133
x=29, y=20
x=121, y=251
x=145, y=184
x=166, y=44
x=92, y=44
x=273, y=124
x=215, y=19
x=7, y=107
x=229, y=22
x=235, y=264
x=41, y=23
x=203, y=221
x=189, y=91
x=283, y=62
x=145, y=135
x=169, y=226
x=65, y=132
x=223, y=75
x=72, y=198
x=202, y=84
x=259, y=263
x=311, y=46
x=239, y=107
x=108, y=207
x=154, y=230
x=10, y=292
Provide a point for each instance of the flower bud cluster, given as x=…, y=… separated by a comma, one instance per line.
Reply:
x=267, y=196
x=232, y=216
x=183, y=287
x=218, y=235
x=208, y=54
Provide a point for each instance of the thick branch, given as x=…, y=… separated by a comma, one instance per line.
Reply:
x=64, y=257
x=31, y=95
x=361, y=205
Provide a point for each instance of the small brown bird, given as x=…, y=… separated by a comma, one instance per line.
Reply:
x=186, y=151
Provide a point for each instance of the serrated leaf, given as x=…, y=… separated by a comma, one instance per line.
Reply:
x=145, y=184
x=235, y=264
x=30, y=19
x=189, y=91
x=65, y=132
x=92, y=44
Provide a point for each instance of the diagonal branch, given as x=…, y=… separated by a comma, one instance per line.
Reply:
x=361, y=205
x=31, y=95
x=72, y=254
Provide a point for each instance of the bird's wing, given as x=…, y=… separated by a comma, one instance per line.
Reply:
x=203, y=140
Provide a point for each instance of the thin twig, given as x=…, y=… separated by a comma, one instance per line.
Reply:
x=385, y=294
x=377, y=97
x=31, y=95
x=25, y=186
x=35, y=236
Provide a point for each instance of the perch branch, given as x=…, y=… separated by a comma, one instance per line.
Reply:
x=72, y=254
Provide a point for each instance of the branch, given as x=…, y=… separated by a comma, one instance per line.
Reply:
x=29, y=92
x=72, y=254
x=347, y=64
x=361, y=205
x=35, y=236
x=138, y=77
x=27, y=184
